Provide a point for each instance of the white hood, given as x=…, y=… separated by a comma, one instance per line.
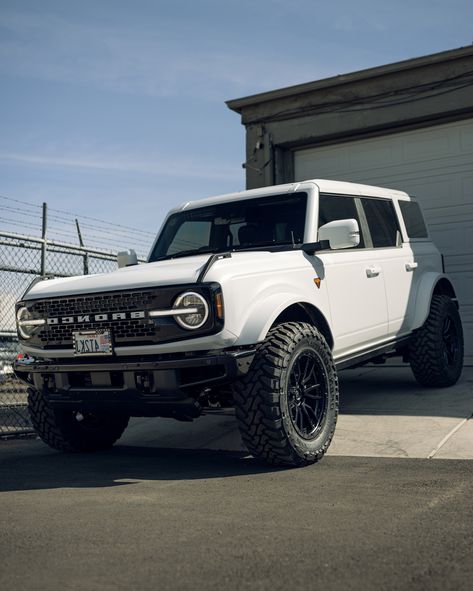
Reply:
x=171, y=272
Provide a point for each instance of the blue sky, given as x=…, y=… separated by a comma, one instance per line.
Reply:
x=115, y=108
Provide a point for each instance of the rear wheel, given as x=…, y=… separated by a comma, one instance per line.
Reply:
x=436, y=351
x=74, y=431
x=287, y=404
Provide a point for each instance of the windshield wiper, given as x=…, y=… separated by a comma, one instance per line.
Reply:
x=255, y=247
x=268, y=246
x=187, y=253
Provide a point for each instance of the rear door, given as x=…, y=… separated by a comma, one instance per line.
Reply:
x=396, y=258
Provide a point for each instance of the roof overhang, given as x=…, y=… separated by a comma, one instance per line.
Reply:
x=443, y=58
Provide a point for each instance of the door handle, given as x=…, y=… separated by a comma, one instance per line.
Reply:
x=373, y=271
x=411, y=266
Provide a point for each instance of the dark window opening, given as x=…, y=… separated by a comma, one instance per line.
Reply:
x=339, y=207
x=413, y=218
x=234, y=225
x=382, y=222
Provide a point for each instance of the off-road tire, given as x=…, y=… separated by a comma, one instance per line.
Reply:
x=263, y=398
x=62, y=430
x=436, y=350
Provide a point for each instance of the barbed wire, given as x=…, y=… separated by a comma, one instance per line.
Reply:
x=67, y=225
x=19, y=201
x=71, y=216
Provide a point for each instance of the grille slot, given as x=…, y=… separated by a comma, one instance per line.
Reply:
x=128, y=330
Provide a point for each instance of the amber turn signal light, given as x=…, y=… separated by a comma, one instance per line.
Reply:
x=219, y=305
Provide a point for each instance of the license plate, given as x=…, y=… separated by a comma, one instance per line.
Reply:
x=92, y=342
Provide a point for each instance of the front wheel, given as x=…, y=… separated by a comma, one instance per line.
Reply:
x=287, y=404
x=74, y=431
x=436, y=350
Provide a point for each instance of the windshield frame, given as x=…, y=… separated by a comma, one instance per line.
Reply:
x=272, y=246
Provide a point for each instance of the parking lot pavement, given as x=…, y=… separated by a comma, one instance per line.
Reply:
x=158, y=518
x=182, y=506
x=383, y=413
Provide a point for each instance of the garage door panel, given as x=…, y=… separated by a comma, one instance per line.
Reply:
x=433, y=164
x=463, y=283
x=379, y=153
x=462, y=243
x=467, y=188
x=433, y=190
x=466, y=137
x=430, y=145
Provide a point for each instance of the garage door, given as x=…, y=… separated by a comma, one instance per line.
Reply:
x=435, y=165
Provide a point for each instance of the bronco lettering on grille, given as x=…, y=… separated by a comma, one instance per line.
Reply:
x=83, y=318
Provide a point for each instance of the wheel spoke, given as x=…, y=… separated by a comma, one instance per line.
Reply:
x=309, y=408
x=447, y=326
x=297, y=371
x=449, y=338
x=310, y=388
x=308, y=369
x=309, y=420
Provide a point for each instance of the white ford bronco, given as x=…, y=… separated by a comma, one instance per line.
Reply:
x=252, y=300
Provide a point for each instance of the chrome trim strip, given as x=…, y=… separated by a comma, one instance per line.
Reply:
x=172, y=312
x=36, y=322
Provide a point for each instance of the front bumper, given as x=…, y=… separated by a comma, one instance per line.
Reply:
x=164, y=386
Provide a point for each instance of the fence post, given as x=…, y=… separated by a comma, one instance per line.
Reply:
x=81, y=242
x=44, y=245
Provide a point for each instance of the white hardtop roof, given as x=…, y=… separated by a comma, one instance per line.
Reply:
x=325, y=186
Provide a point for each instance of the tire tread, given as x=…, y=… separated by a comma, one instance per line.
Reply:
x=256, y=397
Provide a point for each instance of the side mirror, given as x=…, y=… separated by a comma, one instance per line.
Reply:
x=340, y=234
x=127, y=258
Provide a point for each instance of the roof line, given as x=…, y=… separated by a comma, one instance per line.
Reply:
x=443, y=56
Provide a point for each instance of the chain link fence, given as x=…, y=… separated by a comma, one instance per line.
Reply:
x=25, y=257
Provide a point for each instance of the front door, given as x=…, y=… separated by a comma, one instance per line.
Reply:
x=355, y=282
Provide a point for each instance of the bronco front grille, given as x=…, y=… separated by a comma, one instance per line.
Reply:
x=124, y=331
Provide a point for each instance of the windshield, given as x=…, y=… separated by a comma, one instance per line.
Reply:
x=236, y=225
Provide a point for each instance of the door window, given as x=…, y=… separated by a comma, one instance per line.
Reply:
x=339, y=207
x=382, y=222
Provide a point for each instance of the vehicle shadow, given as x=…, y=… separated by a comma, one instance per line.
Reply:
x=32, y=466
x=392, y=390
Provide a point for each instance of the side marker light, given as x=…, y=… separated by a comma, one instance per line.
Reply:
x=219, y=305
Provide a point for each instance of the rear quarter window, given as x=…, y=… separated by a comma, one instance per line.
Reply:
x=413, y=219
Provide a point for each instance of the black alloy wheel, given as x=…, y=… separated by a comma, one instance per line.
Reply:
x=450, y=341
x=307, y=393
x=436, y=348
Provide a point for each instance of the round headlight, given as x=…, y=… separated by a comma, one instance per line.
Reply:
x=26, y=324
x=23, y=316
x=191, y=310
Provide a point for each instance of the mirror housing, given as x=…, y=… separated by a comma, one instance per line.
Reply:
x=127, y=258
x=340, y=234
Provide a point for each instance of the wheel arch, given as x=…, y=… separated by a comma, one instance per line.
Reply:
x=444, y=287
x=305, y=312
x=431, y=284
x=284, y=307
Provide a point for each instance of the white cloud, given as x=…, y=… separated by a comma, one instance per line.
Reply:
x=181, y=168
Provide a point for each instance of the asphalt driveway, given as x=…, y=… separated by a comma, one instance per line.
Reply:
x=183, y=506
